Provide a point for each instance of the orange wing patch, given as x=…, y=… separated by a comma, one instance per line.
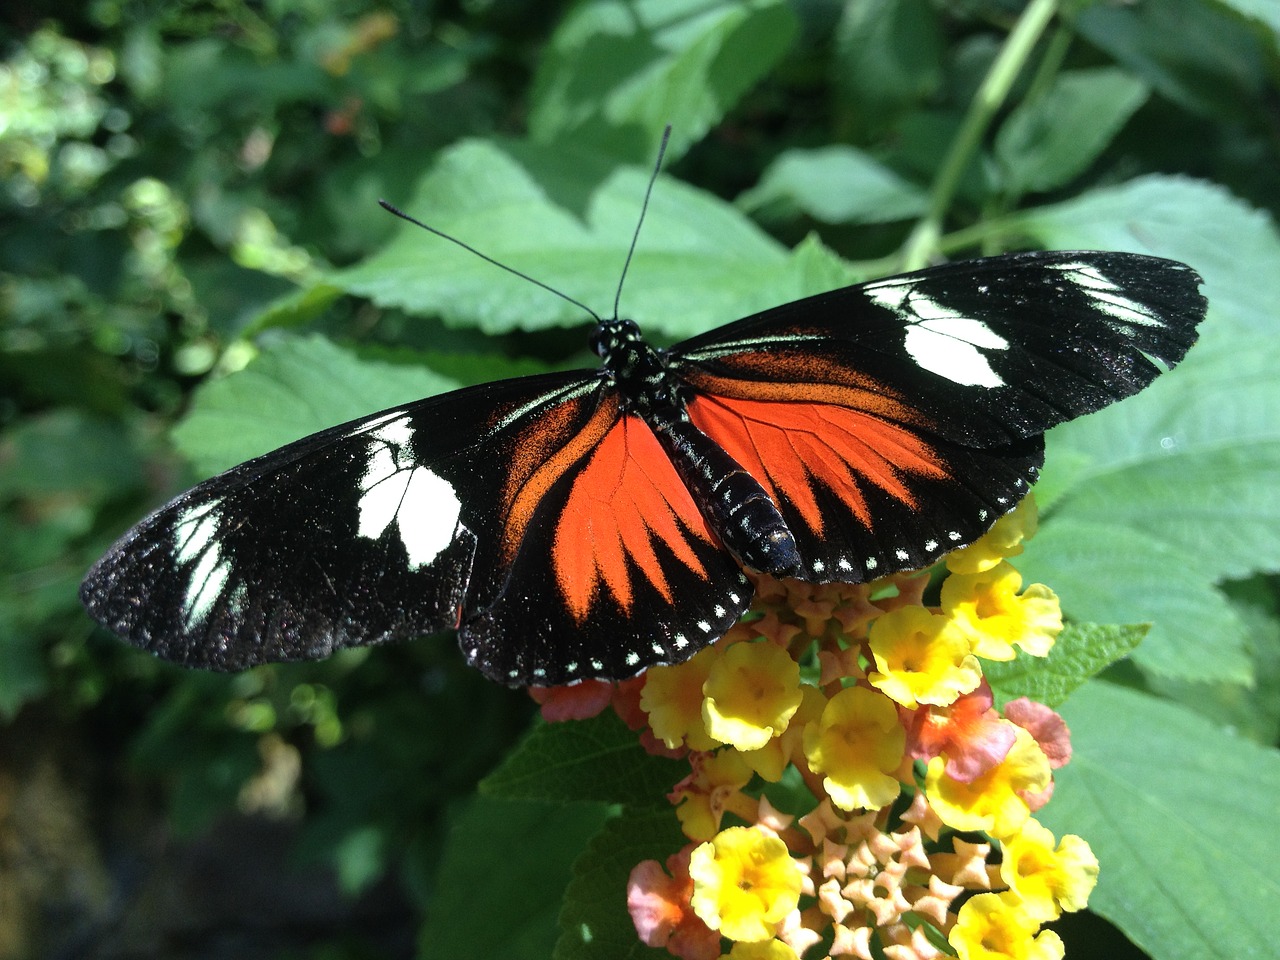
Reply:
x=627, y=496
x=789, y=445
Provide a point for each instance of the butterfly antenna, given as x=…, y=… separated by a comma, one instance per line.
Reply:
x=484, y=256
x=653, y=177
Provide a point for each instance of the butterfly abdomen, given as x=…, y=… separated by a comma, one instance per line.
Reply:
x=733, y=502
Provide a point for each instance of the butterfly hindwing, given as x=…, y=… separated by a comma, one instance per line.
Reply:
x=894, y=421
x=616, y=571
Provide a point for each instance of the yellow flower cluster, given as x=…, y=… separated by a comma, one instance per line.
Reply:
x=877, y=703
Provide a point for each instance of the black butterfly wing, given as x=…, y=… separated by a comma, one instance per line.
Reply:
x=471, y=510
x=896, y=420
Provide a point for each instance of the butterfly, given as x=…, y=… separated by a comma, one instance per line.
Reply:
x=594, y=523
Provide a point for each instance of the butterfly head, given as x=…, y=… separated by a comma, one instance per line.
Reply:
x=613, y=336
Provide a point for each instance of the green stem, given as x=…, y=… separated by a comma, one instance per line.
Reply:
x=991, y=95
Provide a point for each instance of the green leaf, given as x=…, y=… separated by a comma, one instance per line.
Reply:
x=1181, y=816
x=1197, y=54
x=615, y=74
x=595, y=924
x=1185, y=472
x=1082, y=651
x=597, y=760
x=295, y=309
x=1192, y=461
x=1049, y=141
x=1233, y=246
x=293, y=390
x=1105, y=573
x=836, y=184
x=67, y=452
x=889, y=55
x=1253, y=710
x=699, y=262
x=23, y=672
x=1264, y=11
x=508, y=862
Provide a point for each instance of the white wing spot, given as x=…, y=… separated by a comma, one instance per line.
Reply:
x=901, y=554
x=632, y=658
x=720, y=611
x=597, y=665
x=982, y=514
x=657, y=648
x=196, y=538
x=819, y=566
x=734, y=597
x=571, y=667
x=941, y=341
x=1108, y=298
x=871, y=563
x=681, y=641
x=931, y=545
x=844, y=564
x=704, y=626
x=954, y=535
x=539, y=672
x=423, y=505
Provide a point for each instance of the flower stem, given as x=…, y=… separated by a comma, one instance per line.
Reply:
x=990, y=97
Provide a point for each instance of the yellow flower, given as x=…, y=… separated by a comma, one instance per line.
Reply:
x=858, y=743
x=762, y=950
x=702, y=796
x=987, y=607
x=994, y=926
x=744, y=883
x=672, y=698
x=1003, y=540
x=921, y=657
x=993, y=801
x=751, y=693
x=1048, y=880
x=770, y=761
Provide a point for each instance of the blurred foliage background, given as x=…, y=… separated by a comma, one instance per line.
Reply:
x=191, y=239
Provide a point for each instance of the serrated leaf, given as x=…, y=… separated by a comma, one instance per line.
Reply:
x=295, y=389
x=1184, y=472
x=1235, y=247
x=699, y=262
x=1191, y=462
x=1251, y=710
x=1181, y=816
x=502, y=877
x=1105, y=573
x=1082, y=651
x=615, y=74
x=836, y=184
x=1049, y=141
x=597, y=759
x=594, y=923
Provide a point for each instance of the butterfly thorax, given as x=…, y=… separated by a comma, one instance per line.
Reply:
x=645, y=385
x=733, y=503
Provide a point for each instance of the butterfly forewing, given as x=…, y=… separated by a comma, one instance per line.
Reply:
x=372, y=531
x=987, y=351
x=895, y=421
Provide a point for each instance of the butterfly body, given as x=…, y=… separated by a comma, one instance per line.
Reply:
x=594, y=523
